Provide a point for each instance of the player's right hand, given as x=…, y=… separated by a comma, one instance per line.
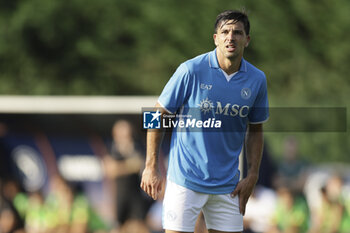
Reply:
x=151, y=182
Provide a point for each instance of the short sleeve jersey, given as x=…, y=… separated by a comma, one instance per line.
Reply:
x=203, y=161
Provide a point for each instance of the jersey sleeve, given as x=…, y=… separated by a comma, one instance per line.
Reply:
x=260, y=110
x=176, y=91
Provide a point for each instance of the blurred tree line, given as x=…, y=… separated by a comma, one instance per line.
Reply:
x=122, y=47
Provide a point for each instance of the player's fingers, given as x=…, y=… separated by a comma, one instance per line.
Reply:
x=236, y=191
x=160, y=187
x=146, y=188
x=154, y=191
x=241, y=205
x=142, y=186
x=149, y=191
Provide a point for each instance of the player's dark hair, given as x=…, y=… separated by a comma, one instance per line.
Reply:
x=236, y=16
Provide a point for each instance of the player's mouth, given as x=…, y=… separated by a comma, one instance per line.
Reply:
x=230, y=47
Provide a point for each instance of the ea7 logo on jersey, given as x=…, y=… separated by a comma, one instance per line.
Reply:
x=151, y=120
x=206, y=86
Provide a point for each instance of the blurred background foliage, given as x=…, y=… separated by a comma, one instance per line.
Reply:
x=122, y=47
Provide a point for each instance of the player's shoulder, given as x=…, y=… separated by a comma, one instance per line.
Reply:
x=254, y=71
x=197, y=63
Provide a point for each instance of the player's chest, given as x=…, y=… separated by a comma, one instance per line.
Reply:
x=216, y=92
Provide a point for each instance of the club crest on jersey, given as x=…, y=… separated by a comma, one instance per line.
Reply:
x=246, y=93
x=206, y=106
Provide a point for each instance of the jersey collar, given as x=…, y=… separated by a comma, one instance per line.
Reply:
x=213, y=62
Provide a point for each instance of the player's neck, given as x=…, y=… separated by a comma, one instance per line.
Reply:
x=230, y=66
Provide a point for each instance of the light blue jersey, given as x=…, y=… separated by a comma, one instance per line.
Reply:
x=207, y=161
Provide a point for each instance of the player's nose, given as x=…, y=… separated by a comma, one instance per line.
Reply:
x=230, y=36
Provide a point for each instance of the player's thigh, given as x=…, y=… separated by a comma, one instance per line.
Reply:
x=215, y=231
x=222, y=214
x=181, y=208
x=170, y=231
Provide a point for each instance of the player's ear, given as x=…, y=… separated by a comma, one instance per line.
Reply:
x=248, y=40
x=214, y=37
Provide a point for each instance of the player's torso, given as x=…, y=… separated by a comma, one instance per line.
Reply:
x=216, y=97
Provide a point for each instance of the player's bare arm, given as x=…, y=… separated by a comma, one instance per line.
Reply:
x=254, y=146
x=151, y=181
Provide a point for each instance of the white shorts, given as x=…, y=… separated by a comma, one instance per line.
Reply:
x=181, y=207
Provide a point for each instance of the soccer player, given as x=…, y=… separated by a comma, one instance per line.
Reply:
x=203, y=170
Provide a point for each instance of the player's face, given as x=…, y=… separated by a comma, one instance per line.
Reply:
x=231, y=40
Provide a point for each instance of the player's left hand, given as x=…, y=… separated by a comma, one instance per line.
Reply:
x=244, y=189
